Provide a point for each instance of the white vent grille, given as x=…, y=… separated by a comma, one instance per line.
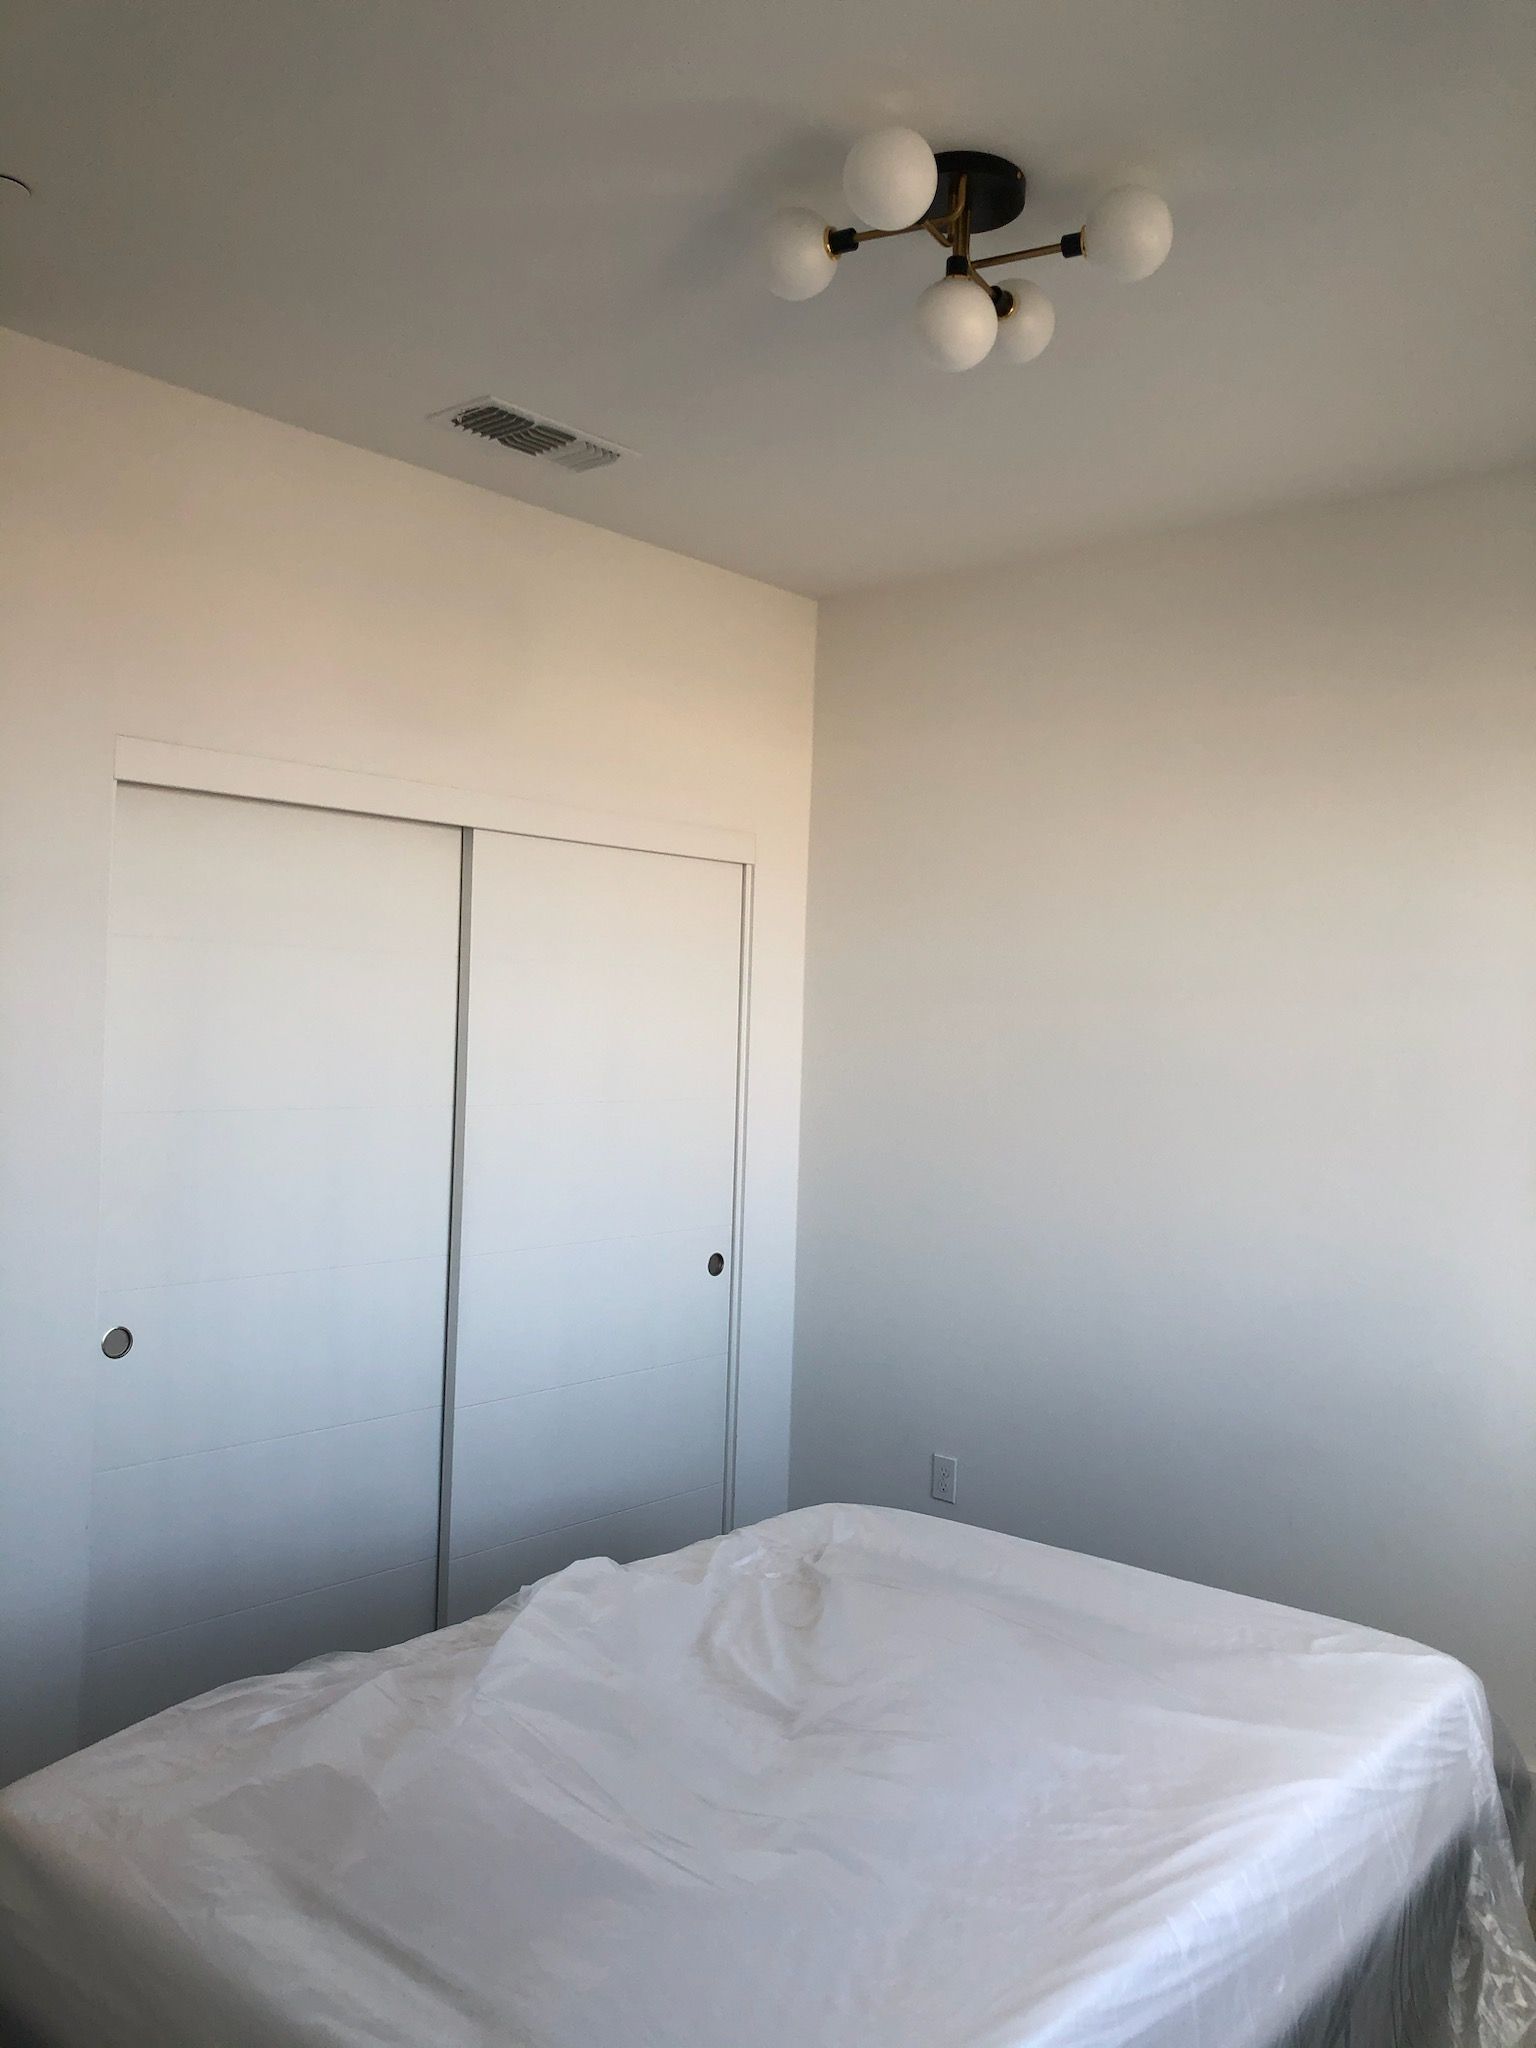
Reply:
x=509, y=426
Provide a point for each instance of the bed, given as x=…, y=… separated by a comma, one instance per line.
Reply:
x=848, y=1779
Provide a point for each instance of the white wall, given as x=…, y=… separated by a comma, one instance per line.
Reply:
x=1170, y=1106
x=179, y=570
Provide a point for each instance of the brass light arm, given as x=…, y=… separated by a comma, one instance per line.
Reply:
x=948, y=220
x=887, y=234
x=843, y=241
x=1069, y=245
x=960, y=220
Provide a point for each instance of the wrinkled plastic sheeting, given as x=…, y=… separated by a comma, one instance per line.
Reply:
x=851, y=1777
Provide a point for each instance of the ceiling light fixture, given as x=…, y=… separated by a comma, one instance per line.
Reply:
x=896, y=185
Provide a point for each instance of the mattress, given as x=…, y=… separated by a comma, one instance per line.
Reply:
x=850, y=1777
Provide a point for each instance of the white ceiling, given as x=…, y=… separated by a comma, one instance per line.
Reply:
x=351, y=213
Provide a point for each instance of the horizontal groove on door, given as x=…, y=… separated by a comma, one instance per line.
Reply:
x=205, y=1374
x=481, y=1578
x=382, y=951
x=536, y=1098
x=189, y=1197
x=589, y=1379
x=319, y=1107
x=593, y=1522
x=278, y=1273
x=283, y=1436
x=549, y=1244
x=572, y=1454
x=190, y=1628
x=541, y=1316
x=199, y=1538
x=125, y=1681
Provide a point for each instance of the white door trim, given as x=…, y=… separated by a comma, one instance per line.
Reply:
x=163, y=765
x=738, y=1198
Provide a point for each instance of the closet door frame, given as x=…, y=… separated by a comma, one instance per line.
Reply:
x=158, y=764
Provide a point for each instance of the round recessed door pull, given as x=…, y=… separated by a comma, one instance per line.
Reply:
x=117, y=1343
x=716, y=1263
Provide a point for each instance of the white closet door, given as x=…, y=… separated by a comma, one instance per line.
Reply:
x=275, y=1199
x=599, y=1156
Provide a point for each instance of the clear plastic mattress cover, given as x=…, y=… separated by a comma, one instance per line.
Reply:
x=849, y=1778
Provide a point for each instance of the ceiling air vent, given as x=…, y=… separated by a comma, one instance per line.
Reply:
x=510, y=427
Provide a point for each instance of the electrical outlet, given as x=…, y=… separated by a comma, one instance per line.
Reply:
x=944, y=1478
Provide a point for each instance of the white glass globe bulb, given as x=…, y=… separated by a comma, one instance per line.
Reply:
x=1129, y=233
x=799, y=263
x=957, y=322
x=1024, y=333
x=890, y=178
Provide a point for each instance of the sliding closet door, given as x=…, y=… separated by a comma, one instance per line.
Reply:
x=276, y=1181
x=599, y=1156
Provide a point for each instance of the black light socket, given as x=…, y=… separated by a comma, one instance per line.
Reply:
x=842, y=241
x=1072, y=245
